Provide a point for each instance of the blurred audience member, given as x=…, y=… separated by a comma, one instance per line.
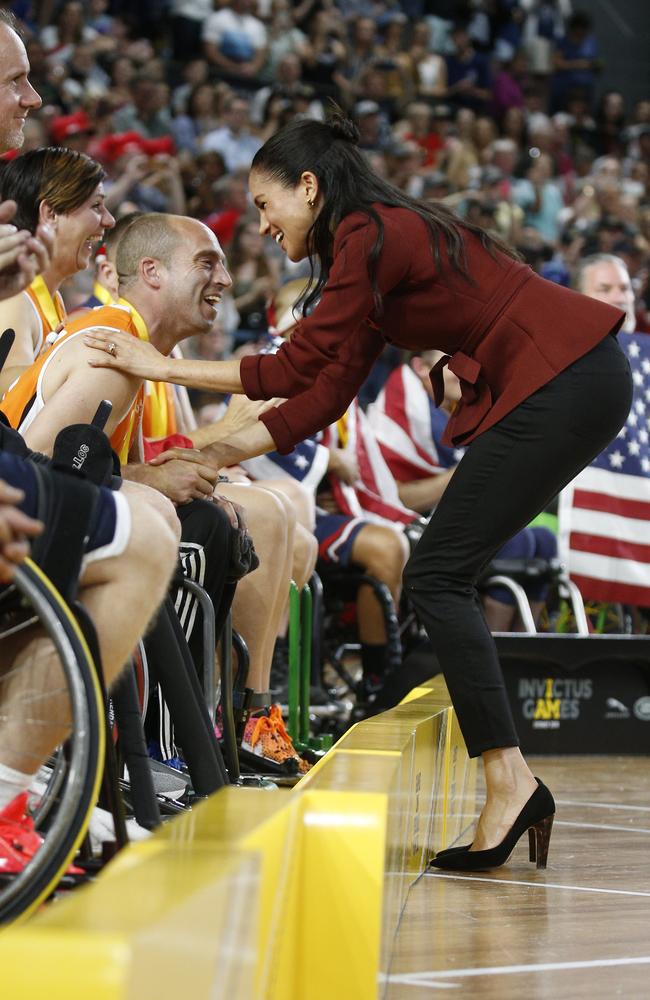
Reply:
x=233, y=140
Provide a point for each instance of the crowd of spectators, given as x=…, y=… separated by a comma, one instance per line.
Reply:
x=497, y=107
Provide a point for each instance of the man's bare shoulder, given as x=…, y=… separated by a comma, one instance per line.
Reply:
x=69, y=363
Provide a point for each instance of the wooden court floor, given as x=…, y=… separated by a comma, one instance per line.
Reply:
x=579, y=929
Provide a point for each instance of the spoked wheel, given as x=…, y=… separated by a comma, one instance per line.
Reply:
x=51, y=722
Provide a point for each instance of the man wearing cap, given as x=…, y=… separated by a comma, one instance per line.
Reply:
x=73, y=131
x=374, y=134
x=143, y=171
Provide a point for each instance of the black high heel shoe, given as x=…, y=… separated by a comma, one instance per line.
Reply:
x=536, y=817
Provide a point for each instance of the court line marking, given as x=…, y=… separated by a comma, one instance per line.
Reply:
x=602, y=805
x=537, y=885
x=603, y=826
x=420, y=978
x=587, y=826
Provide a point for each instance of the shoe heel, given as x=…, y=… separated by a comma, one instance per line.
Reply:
x=539, y=835
x=532, y=851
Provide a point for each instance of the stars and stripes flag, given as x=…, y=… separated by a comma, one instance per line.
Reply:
x=307, y=463
x=409, y=426
x=604, y=514
x=375, y=496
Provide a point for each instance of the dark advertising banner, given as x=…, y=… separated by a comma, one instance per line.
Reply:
x=579, y=694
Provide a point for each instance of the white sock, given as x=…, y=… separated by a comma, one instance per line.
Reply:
x=12, y=783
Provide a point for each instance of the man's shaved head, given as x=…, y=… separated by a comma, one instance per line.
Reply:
x=113, y=237
x=154, y=234
x=172, y=270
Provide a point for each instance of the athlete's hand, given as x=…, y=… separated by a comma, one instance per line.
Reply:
x=181, y=481
x=242, y=413
x=343, y=465
x=231, y=509
x=115, y=349
x=15, y=530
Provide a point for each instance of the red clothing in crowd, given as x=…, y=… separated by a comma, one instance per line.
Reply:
x=508, y=332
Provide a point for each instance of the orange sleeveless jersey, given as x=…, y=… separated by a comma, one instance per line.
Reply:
x=23, y=400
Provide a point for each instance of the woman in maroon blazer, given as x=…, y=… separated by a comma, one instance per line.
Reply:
x=544, y=389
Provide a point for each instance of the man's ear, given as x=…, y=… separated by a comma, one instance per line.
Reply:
x=108, y=275
x=149, y=269
x=46, y=214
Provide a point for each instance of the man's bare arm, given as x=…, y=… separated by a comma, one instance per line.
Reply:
x=72, y=391
x=423, y=494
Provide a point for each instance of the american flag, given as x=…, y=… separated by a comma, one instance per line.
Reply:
x=409, y=426
x=604, y=513
x=374, y=496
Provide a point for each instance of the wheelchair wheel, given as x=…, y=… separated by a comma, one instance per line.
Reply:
x=48, y=679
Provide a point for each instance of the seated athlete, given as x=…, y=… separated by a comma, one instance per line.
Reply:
x=277, y=515
x=171, y=274
x=122, y=581
x=409, y=428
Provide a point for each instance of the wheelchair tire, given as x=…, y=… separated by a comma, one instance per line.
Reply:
x=76, y=794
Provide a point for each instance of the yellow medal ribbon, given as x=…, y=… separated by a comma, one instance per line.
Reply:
x=342, y=428
x=161, y=418
x=51, y=306
x=103, y=294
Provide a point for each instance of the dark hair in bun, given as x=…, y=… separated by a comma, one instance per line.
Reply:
x=343, y=128
x=348, y=184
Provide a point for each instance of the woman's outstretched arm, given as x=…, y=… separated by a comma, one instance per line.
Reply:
x=137, y=357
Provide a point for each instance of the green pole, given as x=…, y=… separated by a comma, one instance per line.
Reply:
x=294, y=659
x=305, y=660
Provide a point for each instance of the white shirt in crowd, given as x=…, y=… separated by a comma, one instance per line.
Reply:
x=193, y=10
x=225, y=23
x=237, y=150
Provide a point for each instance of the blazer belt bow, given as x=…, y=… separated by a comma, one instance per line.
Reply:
x=475, y=391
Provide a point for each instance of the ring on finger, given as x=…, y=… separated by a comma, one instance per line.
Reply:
x=112, y=348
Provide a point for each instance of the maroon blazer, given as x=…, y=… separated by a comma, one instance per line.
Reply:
x=506, y=333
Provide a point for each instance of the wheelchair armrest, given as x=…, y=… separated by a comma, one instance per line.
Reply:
x=523, y=570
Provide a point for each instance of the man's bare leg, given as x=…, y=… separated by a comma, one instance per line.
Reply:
x=259, y=601
x=380, y=552
x=121, y=594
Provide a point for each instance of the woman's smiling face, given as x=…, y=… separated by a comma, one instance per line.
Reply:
x=286, y=214
x=78, y=232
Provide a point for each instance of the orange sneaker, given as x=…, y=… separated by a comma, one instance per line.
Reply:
x=266, y=736
x=275, y=714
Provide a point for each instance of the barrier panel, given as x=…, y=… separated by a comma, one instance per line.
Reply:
x=284, y=895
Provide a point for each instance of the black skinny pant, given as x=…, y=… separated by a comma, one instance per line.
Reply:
x=508, y=474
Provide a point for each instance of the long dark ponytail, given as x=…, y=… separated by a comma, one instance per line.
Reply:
x=329, y=150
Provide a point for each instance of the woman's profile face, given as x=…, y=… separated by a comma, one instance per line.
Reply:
x=285, y=214
x=78, y=232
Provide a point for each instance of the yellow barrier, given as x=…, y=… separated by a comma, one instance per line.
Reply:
x=257, y=895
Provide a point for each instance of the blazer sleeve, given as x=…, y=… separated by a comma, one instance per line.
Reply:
x=329, y=396
x=346, y=303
